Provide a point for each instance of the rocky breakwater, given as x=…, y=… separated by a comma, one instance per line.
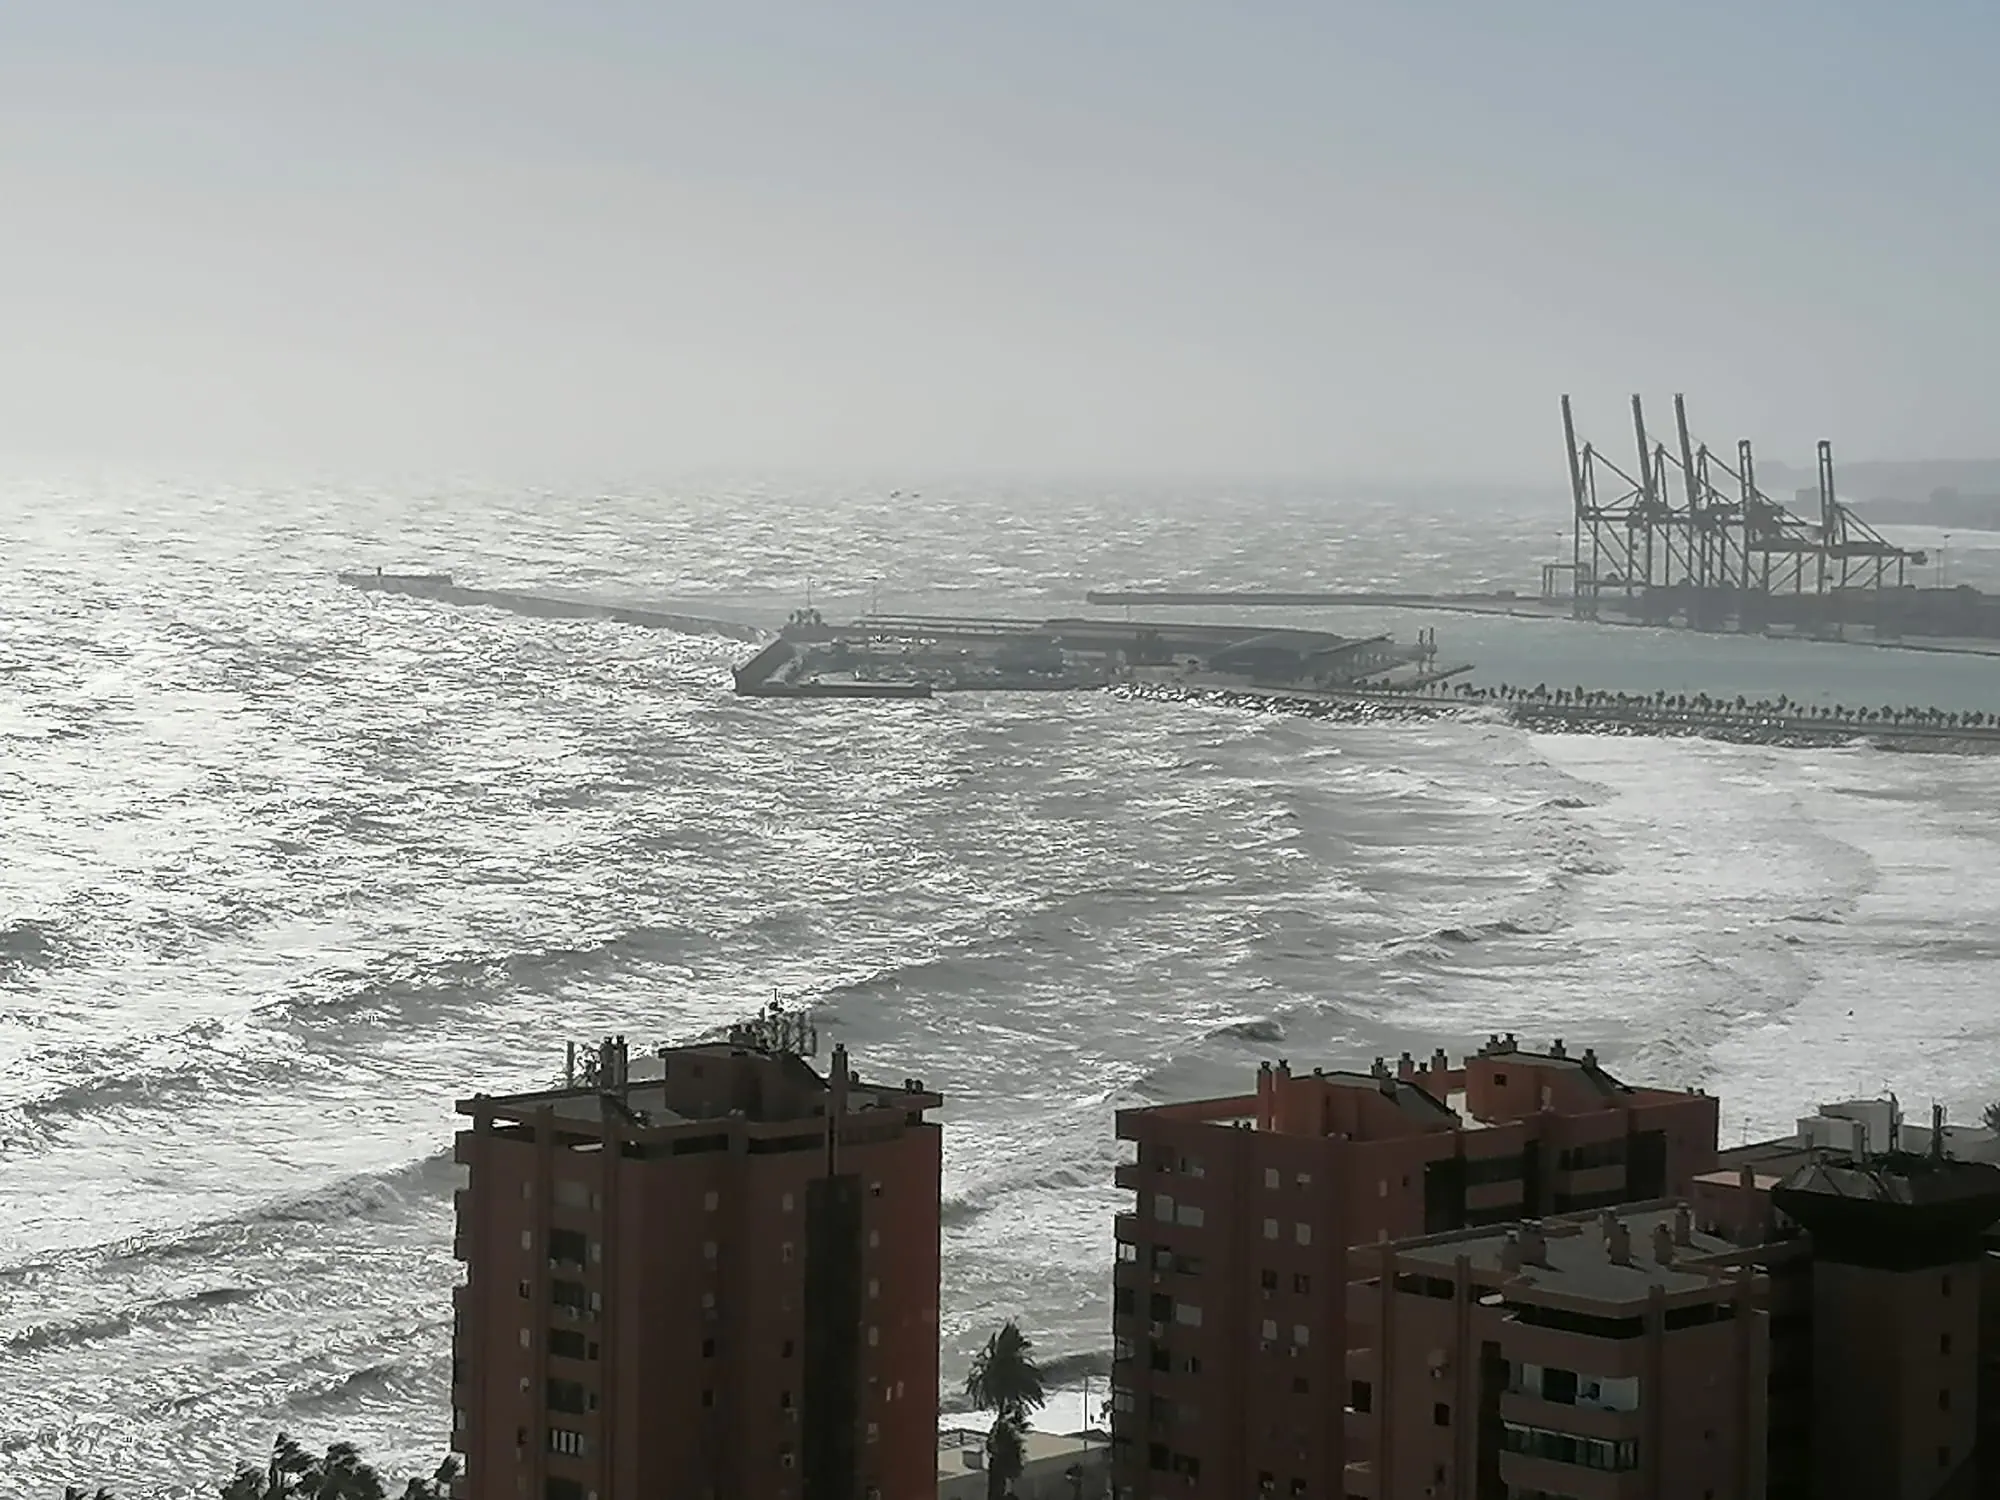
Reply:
x=1776, y=722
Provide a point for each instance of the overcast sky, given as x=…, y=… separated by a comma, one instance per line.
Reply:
x=1357, y=240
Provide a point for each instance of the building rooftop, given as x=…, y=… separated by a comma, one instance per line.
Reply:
x=955, y=1444
x=1577, y=1257
x=1898, y=1178
x=705, y=1083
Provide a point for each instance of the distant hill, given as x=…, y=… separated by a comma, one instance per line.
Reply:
x=1889, y=479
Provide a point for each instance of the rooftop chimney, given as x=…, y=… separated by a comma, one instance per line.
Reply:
x=1379, y=1068
x=1534, y=1244
x=1937, y=1132
x=1590, y=1057
x=836, y=1108
x=1510, y=1252
x=1746, y=1178
x=1556, y=1048
x=1439, y=1062
x=1406, y=1066
x=1663, y=1244
x=1683, y=1226
x=1617, y=1240
x=1507, y=1043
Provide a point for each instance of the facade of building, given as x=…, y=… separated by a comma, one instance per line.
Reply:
x=1230, y=1318
x=718, y=1283
x=1899, y=1266
x=1592, y=1357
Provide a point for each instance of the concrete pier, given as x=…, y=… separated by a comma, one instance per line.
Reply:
x=441, y=587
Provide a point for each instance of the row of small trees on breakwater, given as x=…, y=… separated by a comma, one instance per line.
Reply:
x=1703, y=706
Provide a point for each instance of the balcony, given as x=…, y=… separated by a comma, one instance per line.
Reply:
x=1521, y=1471
x=1531, y=1410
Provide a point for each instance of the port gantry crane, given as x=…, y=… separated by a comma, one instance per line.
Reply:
x=1692, y=540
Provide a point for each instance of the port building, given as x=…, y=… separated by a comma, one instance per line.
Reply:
x=1233, y=1360
x=719, y=1281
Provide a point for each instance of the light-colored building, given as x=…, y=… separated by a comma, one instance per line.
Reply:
x=1059, y=1466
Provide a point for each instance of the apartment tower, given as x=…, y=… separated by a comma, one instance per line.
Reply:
x=1230, y=1318
x=1898, y=1264
x=719, y=1281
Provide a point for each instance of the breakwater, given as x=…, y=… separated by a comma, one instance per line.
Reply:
x=441, y=588
x=1793, y=727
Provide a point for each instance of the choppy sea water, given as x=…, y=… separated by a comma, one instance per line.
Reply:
x=286, y=869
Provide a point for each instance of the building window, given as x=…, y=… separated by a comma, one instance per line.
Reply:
x=1301, y=1386
x=527, y=1289
x=785, y=1252
x=1187, y=1314
x=1440, y=1414
x=528, y=1189
x=562, y=1440
x=1188, y=1214
x=1270, y=1329
x=1269, y=1279
x=875, y=1189
x=874, y=1337
x=1163, y=1208
x=1944, y=1343
x=708, y=1302
x=784, y=1401
x=1266, y=1480
x=1305, y=1179
x=874, y=1432
x=1303, y=1233
x=527, y=1239
x=1128, y=1253
x=1191, y=1365
x=708, y=1348
x=1271, y=1178
x=1301, y=1335
x=1191, y=1166
x=874, y=1286
x=785, y=1351
x=874, y=1238
x=1360, y=1396
x=1302, y=1283
x=711, y=1200
x=1270, y=1229
x=1500, y=1080
x=527, y=1339
x=1298, y=1486
x=1437, y=1473
x=785, y=1204
x=707, y=1396
x=572, y=1194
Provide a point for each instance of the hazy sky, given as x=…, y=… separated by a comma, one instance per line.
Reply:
x=1255, y=237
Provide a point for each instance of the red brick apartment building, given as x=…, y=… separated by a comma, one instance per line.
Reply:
x=1230, y=1317
x=716, y=1284
x=1825, y=1333
x=1612, y=1356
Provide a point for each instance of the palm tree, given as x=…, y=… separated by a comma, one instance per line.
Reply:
x=1005, y=1380
x=294, y=1474
x=437, y=1487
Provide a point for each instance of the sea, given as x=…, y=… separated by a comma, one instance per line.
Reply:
x=287, y=869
